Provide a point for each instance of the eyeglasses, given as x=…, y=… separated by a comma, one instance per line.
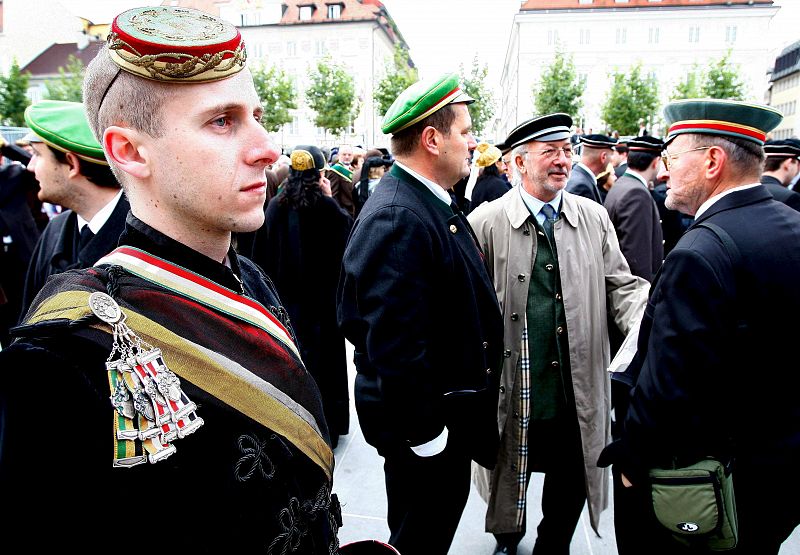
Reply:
x=552, y=152
x=666, y=156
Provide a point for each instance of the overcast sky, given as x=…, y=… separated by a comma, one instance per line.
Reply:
x=445, y=33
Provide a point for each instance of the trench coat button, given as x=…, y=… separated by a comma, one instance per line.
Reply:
x=558, y=296
x=502, y=389
x=453, y=228
x=555, y=364
x=514, y=316
x=507, y=353
x=559, y=330
x=485, y=344
x=549, y=267
x=521, y=277
x=526, y=231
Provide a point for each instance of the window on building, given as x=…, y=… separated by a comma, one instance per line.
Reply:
x=291, y=48
x=584, y=1
x=294, y=125
x=552, y=37
x=306, y=12
x=319, y=47
x=730, y=34
x=694, y=33
x=334, y=11
x=585, y=36
x=622, y=35
x=654, y=35
x=621, y=1
x=1, y=16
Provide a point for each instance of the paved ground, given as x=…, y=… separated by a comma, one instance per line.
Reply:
x=358, y=481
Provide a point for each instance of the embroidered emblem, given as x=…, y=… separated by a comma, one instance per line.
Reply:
x=255, y=459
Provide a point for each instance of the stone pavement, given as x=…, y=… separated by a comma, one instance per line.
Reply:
x=358, y=481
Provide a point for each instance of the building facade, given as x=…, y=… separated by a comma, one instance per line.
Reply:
x=784, y=92
x=670, y=38
x=295, y=35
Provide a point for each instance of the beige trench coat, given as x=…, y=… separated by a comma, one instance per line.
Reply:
x=594, y=274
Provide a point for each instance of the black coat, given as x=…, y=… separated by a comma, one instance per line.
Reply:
x=488, y=188
x=19, y=224
x=716, y=364
x=636, y=219
x=56, y=249
x=417, y=303
x=301, y=251
x=780, y=192
x=583, y=184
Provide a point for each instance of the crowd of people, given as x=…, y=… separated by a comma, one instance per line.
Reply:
x=191, y=301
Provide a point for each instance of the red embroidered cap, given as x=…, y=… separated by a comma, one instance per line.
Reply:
x=181, y=45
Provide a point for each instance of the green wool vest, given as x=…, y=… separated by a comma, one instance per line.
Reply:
x=548, y=347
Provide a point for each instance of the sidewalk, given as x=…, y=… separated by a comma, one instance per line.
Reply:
x=358, y=481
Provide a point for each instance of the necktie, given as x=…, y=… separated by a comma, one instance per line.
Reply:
x=549, y=217
x=85, y=236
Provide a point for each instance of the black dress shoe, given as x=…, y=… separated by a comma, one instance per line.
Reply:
x=505, y=550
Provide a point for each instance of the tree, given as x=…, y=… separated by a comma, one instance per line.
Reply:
x=332, y=96
x=722, y=80
x=632, y=98
x=276, y=91
x=474, y=85
x=399, y=76
x=690, y=86
x=69, y=84
x=13, y=97
x=560, y=89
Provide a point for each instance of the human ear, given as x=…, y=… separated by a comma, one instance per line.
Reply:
x=126, y=148
x=430, y=140
x=74, y=165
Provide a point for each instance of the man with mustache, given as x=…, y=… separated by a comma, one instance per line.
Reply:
x=416, y=302
x=557, y=270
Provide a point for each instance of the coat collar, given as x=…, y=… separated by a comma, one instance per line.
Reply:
x=517, y=211
x=733, y=200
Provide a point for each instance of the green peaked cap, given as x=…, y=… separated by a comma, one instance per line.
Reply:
x=63, y=126
x=341, y=170
x=728, y=118
x=421, y=100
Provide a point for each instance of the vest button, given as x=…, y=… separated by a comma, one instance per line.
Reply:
x=485, y=344
x=540, y=234
x=558, y=296
x=554, y=364
x=559, y=330
x=516, y=414
x=488, y=371
x=514, y=316
x=453, y=228
x=507, y=353
x=521, y=277
x=549, y=267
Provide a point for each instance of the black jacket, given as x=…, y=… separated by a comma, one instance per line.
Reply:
x=56, y=249
x=488, y=188
x=583, y=184
x=780, y=192
x=418, y=305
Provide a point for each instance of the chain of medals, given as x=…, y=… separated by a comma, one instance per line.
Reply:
x=151, y=410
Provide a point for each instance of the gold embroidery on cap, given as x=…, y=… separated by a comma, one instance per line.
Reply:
x=191, y=67
x=302, y=160
x=173, y=26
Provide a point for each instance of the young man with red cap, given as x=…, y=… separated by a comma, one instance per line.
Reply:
x=416, y=302
x=158, y=399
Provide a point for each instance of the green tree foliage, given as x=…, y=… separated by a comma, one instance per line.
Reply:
x=722, y=80
x=560, y=88
x=332, y=96
x=690, y=86
x=69, y=84
x=632, y=97
x=399, y=76
x=276, y=91
x=13, y=99
x=474, y=84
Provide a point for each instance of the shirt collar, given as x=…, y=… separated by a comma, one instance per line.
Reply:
x=709, y=202
x=434, y=187
x=102, y=215
x=535, y=205
x=587, y=170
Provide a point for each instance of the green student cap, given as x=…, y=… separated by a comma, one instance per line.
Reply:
x=728, y=118
x=62, y=125
x=421, y=100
